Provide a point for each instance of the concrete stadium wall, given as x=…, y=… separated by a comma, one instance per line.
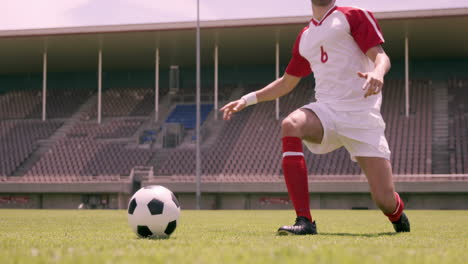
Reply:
x=231, y=201
x=63, y=200
x=274, y=201
x=324, y=195
x=273, y=195
x=20, y=201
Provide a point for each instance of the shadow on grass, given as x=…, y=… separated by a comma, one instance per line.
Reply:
x=154, y=238
x=360, y=235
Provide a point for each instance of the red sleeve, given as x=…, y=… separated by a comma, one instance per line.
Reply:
x=364, y=27
x=298, y=66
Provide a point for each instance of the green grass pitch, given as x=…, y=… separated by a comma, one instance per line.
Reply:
x=70, y=236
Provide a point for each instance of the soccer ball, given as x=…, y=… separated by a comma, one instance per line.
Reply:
x=153, y=212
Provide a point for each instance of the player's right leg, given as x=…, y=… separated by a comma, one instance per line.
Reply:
x=301, y=124
x=378, y=171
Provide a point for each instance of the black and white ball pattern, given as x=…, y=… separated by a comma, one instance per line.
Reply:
x=153, y=212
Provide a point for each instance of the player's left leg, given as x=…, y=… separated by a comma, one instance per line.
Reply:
x=300, y=124
x=379, y=175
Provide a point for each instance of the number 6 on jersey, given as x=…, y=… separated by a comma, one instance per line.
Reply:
x=324, y=55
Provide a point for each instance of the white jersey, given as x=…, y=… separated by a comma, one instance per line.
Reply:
x=334, y=48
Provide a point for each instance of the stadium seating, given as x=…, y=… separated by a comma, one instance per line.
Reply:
x=125, y=102
x=410, y=139
x=87, y=151
x=18, y=139
x=458, y=126
x=61, y=103
x=181, y=162
x=20, y=104
x=245, y=149
x=185, y=114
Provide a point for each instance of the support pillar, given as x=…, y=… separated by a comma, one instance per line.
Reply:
x=407, y=94
x=156, y=88
x=99, y=112
x=277, y=77
x=44, y=85
x=216, y=82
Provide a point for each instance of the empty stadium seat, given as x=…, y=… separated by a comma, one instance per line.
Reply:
x=185, y=114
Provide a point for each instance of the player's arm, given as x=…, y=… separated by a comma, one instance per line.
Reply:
x=270, y=92
x=375, y=79
x=298, y=67
x=277, y=88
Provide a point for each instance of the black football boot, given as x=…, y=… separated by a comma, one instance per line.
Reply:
x=402, y=225
x=302, y=227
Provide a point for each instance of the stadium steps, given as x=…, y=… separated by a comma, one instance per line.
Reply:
x=159, y=158
x=209, y=130
x=212, y=128
x=45, y=145
x=164, y=110
x=440, y=128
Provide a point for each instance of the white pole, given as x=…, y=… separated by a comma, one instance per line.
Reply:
x=277, y=77
x=44, y=85
x=198, y=158
x=99, y=85
x=156, y=89
x=407, y=103
x=216, y=83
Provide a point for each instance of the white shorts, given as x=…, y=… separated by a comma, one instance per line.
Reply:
x=362, y=133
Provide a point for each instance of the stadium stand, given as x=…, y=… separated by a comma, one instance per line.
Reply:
x=185, y=114
x=87, y=151
x=458, y=126
x=409, y=138
x=18, y=139
x=125, y=102
x=19, y=104
x=180, y=162
x=246, y=149
x=62, y=103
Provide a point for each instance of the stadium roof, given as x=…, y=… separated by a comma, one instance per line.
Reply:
x=77, y=13
x=432, y=33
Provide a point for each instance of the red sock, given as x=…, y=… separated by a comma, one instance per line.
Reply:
x=395, y=216
x=295, y=175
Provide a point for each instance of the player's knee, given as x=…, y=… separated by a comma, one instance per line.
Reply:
x=290, y=127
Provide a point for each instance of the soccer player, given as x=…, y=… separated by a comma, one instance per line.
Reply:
x=342, y=45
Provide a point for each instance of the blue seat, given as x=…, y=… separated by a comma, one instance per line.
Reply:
x=186, y=114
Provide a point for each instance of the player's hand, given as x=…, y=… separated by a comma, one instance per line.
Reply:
x=232, y=107
x=373, y=84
